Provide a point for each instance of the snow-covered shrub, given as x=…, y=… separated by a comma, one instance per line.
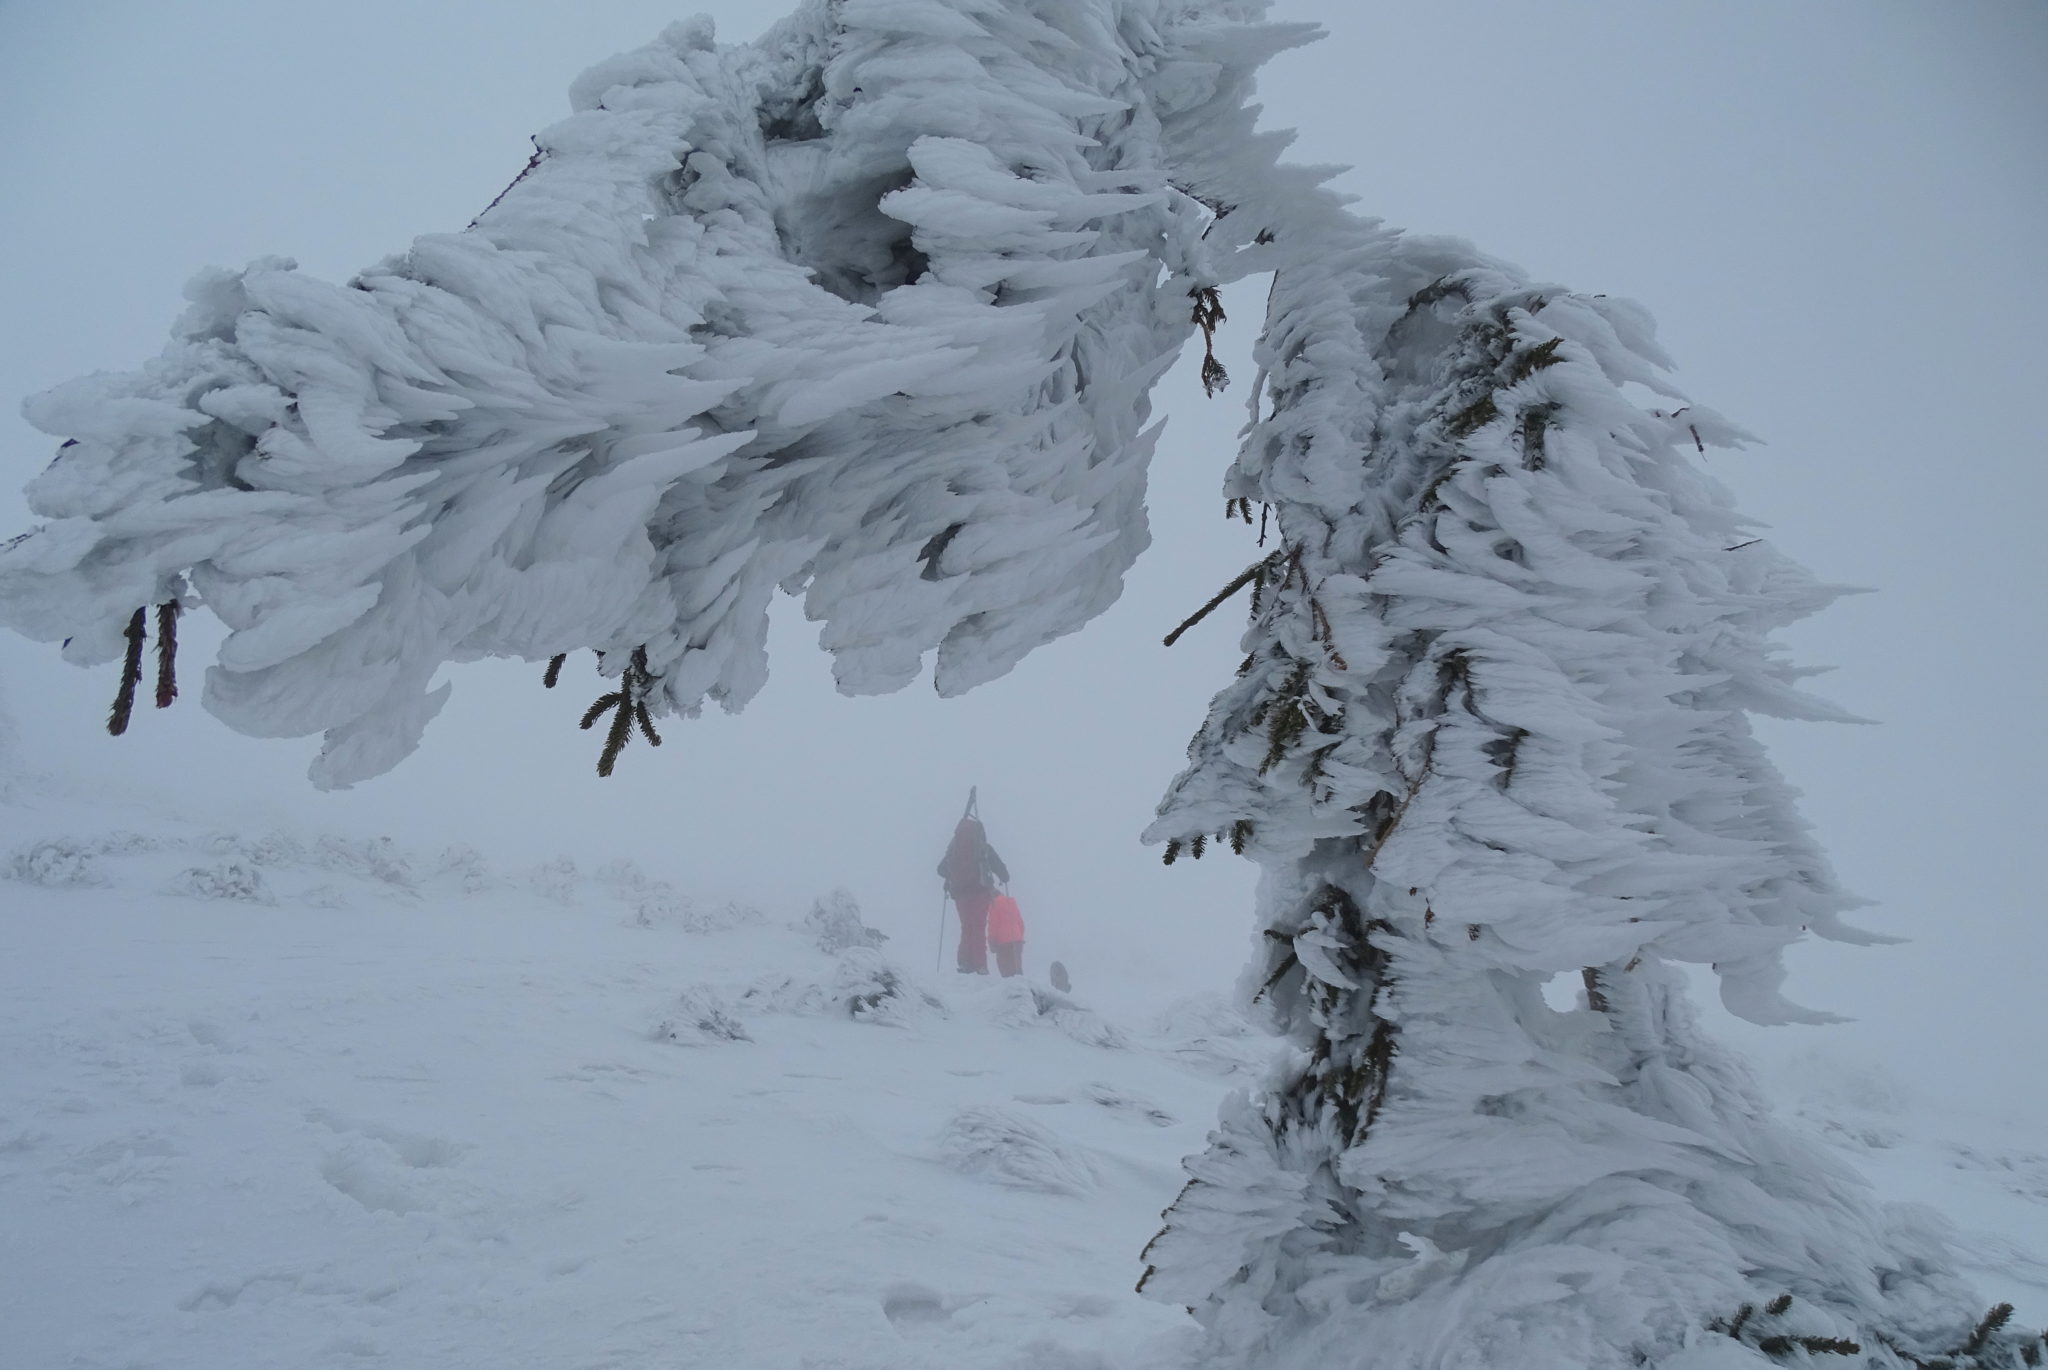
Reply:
x=658, y=905
x=661, y=904
x=719, y=915
x=863, y=986
x=834, y=922
x=701, y=1014
x=555, y=880
x=235, y=878
x=57, y=863
x=276, y=849
x=874, y=991
x=781, y=992
x=1004, y=1147
x=376, y=858
x=122, y=842
x=1019, y=1003
x=621, y=872
x=466, y=866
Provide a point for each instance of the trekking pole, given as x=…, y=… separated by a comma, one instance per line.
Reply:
x=940, y=964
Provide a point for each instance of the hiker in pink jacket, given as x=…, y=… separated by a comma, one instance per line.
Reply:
x=1006, y=934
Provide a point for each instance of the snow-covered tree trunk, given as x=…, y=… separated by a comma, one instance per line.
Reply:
x=1491, y=729
x=868, y=311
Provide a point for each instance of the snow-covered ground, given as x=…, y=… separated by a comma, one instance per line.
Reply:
x=284, y=1100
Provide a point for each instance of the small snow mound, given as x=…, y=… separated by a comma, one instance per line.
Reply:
x=874, y=991
x=658, y=904
x=863, y=986
x=556, y=880
x=235, y=879
x=1857, y=1104
x=701, y=1015
x=1202, y=1015
x=1206, y=1032
x=276, y=848
x=372, y=858
x=57, y=863
x=1023, y=1004
x=1006, y=1148
x=466, y=866
x=834, y=922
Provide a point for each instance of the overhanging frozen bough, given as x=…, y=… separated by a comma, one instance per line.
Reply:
x=868, y=311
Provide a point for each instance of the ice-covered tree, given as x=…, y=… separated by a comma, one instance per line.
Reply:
x=868, y=311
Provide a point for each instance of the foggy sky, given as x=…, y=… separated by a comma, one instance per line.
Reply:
x=1833, y=208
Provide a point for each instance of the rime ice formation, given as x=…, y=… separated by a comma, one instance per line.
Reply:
x=868, y=310
x=1491, y=727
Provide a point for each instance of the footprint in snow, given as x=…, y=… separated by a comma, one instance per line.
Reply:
x=359, y=1173
x=913, y=1305
x=419, y=1150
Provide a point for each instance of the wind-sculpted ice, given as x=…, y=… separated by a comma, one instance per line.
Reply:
x=866, y=310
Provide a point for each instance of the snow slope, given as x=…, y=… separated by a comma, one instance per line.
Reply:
x=293, y=1101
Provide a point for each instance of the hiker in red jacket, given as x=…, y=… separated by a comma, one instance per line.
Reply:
x=971, y=869
x=1006, y=935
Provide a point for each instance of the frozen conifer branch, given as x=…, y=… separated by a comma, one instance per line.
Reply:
x=868, y=311
x=895, y=277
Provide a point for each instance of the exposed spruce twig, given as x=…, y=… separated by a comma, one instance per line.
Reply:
x=628, y=705
x=1533, y=424
x=1596, y=1000
x=1999, y=1315
x=1473, y=417
x=1830, y=1346
x=1527, y=363
x=1207, y=314
x=131, y=674
x=166, y=653
x=1319, y=631
x=524, y=172
x=554, y=671
x=934, y=548
x=1237, y=582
